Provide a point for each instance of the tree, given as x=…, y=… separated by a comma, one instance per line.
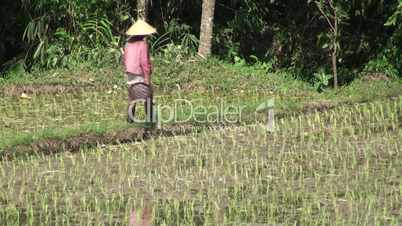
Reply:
x=334, y=16
x=142, y=9
x=206, y=31
x=395, y=52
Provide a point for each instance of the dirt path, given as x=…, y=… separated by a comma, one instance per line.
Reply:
x=37, y=89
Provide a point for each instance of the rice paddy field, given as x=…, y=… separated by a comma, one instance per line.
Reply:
x=333, y=159
x=340, y=167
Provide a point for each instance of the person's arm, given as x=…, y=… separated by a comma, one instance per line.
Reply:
x=122, y=57
x=146, y=64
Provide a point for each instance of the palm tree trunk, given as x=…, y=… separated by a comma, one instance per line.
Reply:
x=207, y=25
x=142, y=9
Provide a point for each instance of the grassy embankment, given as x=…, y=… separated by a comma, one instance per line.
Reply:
x=340, y=166
x=72, y=103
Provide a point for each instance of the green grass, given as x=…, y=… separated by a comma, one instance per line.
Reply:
x=206, y=83
x=339, y=167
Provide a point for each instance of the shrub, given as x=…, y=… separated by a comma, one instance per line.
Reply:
x=380, y=65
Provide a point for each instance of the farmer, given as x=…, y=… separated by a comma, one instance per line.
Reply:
x=138, y=68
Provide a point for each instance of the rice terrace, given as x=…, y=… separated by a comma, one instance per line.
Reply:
x=205, y=112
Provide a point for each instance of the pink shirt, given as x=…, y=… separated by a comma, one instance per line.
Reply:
x=136, y=58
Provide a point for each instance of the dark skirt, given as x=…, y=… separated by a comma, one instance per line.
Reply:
x=139, y=91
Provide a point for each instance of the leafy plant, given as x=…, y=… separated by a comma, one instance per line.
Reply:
x=381, y=65
x=321, y=80
x=267, y=66
x=96, y=31
x=62, y=31
x=159, y=42
x=175, y=53
x=16, y=69
x=181, y=34
x=239, y=61
x=36, y=33
x=395, y=18
x=394, y=50
x=226, y=44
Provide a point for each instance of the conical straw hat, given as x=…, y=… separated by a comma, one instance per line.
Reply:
x=141, y=28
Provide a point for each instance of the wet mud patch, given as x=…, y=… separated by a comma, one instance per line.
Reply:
x=318, y=107
x=75, y=143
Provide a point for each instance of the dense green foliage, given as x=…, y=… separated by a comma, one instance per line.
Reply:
x=283, y=34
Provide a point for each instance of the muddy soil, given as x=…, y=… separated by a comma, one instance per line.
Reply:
x=318, y=107
x=74, y=144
